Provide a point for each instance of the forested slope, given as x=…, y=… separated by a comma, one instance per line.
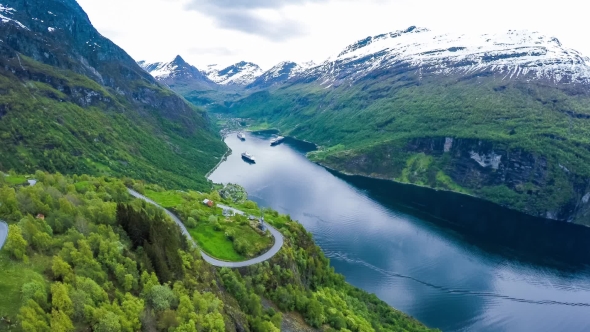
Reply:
x=82, y=254
x=74, y=102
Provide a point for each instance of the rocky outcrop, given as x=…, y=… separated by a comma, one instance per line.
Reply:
x=476, y=163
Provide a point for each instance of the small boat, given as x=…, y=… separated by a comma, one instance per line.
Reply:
x=241, y=136
x=277, y=141
x=248, y=157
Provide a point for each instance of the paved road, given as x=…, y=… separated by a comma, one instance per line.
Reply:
x=279, y=240
x=3, y=233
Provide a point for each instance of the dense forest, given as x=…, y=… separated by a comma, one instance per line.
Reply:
x=82, y=254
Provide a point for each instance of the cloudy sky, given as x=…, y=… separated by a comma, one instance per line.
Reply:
x=269, y=31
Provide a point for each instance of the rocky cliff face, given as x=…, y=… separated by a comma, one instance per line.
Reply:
x=509, y=176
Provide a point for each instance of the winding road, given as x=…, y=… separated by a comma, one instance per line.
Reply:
x=279, y=240
x=3, y=233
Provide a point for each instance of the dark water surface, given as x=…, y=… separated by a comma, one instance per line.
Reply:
x=484, y=268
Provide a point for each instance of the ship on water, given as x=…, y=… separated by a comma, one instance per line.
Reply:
x=248, y=158
x=277, y=141
x=241, y=136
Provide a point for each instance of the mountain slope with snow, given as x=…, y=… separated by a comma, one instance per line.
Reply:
x=279, y=74
x=522, y=54
x=239, y=74
x=177, y=70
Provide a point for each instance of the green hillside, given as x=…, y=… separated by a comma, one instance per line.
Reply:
x=45, y=128
x=100, y=260
x=74, y=102
x=395, y=127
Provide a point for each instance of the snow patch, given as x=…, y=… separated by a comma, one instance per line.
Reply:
x=487, y=160
x=448, y=144
x=10, y=11
x=159, y=70
x=50, y=29
x=242, y=73
x=586, y=198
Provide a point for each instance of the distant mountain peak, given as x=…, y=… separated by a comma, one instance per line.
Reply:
x=241, y=73
x=513, y=53
x=373, y=39
x=278, y=74
x=174, y=70
x=179, y=60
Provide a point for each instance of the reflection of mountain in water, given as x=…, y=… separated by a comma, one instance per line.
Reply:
x=520, y=236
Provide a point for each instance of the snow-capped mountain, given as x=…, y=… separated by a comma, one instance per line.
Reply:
x=280, y=74
x=7, y=11
x=512, y=54
x=240, y=74
x=177, y=69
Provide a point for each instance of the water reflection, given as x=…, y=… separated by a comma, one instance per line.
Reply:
x=485, y=276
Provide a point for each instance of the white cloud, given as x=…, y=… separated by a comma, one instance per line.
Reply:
x=267, y=32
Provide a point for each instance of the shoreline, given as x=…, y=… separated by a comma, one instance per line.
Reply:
x=466, y=195
x=223, y=158
x=436, y=190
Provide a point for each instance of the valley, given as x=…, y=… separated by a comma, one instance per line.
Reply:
x=428, y=180
x=503, y=117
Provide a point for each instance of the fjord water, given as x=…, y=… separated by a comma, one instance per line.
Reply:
x=419, y=264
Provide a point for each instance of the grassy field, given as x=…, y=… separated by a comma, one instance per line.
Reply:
x=215, y=243
x=218, y=245
x=166, y=199
x=213, y=237
x=14, y=180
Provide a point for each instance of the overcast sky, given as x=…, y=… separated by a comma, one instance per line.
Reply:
x=269, y=31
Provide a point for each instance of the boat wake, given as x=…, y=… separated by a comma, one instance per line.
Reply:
x=344, y=257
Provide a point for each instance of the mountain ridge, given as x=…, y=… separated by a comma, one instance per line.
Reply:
x=238, y=74
x=510, y=54
x=530, y=55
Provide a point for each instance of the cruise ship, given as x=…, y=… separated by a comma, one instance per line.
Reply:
x=248, y=157
x=277, y=141
x=241, y=136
